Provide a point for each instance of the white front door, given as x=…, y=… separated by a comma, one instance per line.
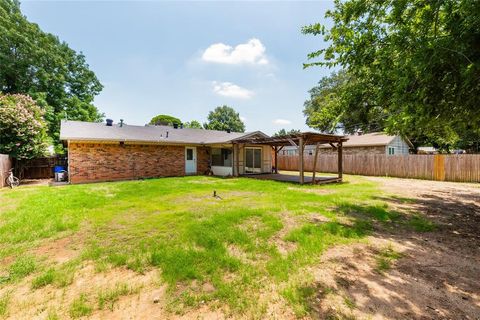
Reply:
x=190, y=160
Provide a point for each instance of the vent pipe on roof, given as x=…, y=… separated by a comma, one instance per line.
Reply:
x=175, y=126
x=121, y=123
x=109, y=122
x=166, y=135
x=228, y=130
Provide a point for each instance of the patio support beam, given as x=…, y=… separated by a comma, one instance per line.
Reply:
x=315, y=163
x=236, y=153
x=340, y=160
x=276, y=159
x=300, y=154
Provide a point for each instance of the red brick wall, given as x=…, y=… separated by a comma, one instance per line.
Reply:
x=203, y=158
x=90, y=162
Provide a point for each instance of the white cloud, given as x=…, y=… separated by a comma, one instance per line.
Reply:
x=243, y=119
x=281, y=122
x=228, y=89
x=252, y=52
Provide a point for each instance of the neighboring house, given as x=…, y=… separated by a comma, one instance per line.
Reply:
x=369, y=143
x=427, y=150
x=106, y=152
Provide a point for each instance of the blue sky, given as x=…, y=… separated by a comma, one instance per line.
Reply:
x=186, y=58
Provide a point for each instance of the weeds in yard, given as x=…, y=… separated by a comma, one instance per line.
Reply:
x=109, y=297
x=420, y=223
x=4, y=300
x=44, y=279
x=21, y=268
x=52, y=315
x=300, y=298
x=80, y=307
x=386, y=257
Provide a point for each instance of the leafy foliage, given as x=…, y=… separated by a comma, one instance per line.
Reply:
x=23, y=133
x=283, y=132
x=410, y=67
x=224, y=118
x=39, y=64
x=165, y=120
x=194, y=124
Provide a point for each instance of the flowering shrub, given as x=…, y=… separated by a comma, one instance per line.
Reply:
x=23, y=133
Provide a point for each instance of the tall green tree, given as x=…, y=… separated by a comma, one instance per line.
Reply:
x=224, y=118
x=333, y=107
x=23, y=130
x=194, y=124
x=38, y=64
x=283, y=132
x=165, y=120
x=413, y=65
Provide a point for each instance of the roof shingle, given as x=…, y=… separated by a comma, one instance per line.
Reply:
x=94, y=131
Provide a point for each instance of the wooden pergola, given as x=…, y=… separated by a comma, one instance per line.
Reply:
x=300, y=140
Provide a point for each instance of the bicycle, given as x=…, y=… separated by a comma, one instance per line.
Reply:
x=11, y=180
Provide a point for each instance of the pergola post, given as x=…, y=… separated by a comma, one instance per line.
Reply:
x=236, y=151
x=315, y=163
x=340, y=160
x=300, y=151
x=276, y=159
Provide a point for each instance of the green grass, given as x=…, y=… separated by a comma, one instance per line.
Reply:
x=44, y=279
x=420, y=224
x=22, y=267
x=386, y=257
x=4, y=300
x=80, y=307
x=108, y=298
x=176, y=226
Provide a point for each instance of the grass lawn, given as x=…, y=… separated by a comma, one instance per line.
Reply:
x=222, y=252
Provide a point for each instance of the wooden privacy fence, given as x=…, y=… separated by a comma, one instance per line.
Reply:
x=460, y=168
x=5, y=165
x=39, y=168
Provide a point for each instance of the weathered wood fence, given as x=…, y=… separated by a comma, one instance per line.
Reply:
x=39, y=168
x=5, y=165
x=461, y=168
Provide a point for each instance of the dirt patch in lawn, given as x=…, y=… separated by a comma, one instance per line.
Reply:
x=61, y=250
x=143, y=296
x=436, y=273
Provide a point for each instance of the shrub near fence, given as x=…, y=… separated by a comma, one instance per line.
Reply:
x=460, y=168
x=5, y=165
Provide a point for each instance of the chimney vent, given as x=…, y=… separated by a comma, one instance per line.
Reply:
x=228, y=130
x=166, y=135
x=121, y=123
x=109, y=122
x=175, y=126
x=181, y=125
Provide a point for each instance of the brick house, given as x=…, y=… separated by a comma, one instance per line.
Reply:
x=108, y=152
x=369, y=143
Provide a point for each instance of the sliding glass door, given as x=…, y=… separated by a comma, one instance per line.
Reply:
x=253, y=160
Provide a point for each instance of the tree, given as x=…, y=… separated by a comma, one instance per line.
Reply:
x=40, y=65
x=23, y=130
x=165, y=120
x=412, y=66
x=224, y=118
x=283, y=132
x=334, y=106
x=194, y=124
